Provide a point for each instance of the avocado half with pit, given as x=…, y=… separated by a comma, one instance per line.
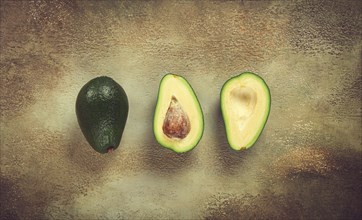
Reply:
x=178, y=120
x=245, y=107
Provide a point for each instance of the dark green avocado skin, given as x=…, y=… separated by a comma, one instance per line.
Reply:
x=102, y=110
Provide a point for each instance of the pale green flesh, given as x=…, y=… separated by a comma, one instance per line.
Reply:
x=256, y=116
x=169, y=86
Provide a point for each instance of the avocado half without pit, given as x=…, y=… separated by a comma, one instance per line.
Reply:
x=245, y=106
x=178, y=120
x=102, y=110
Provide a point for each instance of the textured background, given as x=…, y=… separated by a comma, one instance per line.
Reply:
x=306, y=164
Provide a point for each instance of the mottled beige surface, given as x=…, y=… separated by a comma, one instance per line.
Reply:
x=306, y=164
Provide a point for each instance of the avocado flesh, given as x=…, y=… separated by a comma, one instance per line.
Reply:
x=245, y=106
x=178, y=120
x=102, y=110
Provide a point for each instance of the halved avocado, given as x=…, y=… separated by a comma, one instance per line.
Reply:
x=178, y=121
x=245, y=106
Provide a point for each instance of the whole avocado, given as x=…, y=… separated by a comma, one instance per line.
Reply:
x=102, y=111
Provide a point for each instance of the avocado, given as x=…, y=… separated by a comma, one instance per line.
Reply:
x=245, y=107
x=178, y=120
x=102, y=110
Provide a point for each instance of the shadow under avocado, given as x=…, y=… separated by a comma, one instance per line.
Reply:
x=162, y=160
x=81, y=154
x=229, y=160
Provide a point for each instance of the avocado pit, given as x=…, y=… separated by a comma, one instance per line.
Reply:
x=176, y=123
